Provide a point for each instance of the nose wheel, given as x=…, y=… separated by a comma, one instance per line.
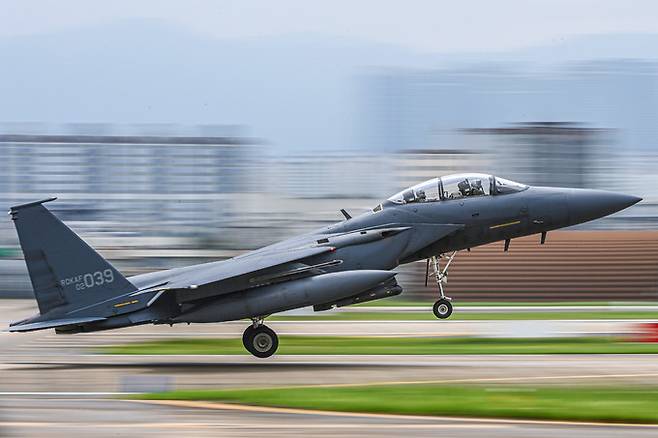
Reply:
x=260, y=340
x=443, y=307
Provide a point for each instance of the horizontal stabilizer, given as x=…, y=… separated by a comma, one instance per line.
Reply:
x=52, y=324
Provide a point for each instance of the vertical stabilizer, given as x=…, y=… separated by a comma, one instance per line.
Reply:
x=64, y=270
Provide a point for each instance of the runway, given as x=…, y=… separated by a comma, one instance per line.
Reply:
x=64, y=417
x=54, y=385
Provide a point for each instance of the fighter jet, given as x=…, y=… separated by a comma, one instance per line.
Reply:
x=346, y=263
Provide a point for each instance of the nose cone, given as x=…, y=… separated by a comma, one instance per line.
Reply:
x=586, y=205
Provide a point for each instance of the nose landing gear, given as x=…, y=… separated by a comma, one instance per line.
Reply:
x=260, y=340
x=443, y=307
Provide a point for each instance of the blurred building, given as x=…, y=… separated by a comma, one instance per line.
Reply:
x=140, y=199
x=406, y=109
x=544, y=153
x=132, y=179
x=332, y=174
x=416, y=165
x=303, y=191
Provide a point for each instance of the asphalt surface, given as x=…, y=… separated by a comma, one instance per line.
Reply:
x=56, y=386
x=111, y=418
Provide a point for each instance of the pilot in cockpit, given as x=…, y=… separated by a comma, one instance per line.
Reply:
x=476, y=188
x=464, y=188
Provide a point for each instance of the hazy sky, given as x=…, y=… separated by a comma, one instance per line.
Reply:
x=444, y=26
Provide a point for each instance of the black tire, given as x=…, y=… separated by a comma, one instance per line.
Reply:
x=442, y=309
x=260, y=341
x=249, y=331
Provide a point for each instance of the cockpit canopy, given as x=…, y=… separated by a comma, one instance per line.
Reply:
x=457, y=186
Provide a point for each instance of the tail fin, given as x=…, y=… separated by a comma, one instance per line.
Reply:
x=65, y=271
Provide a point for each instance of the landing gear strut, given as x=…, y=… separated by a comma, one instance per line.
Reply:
x=260, y=340
x=443, y=307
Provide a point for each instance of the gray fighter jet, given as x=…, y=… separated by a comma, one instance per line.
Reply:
x=349, y=262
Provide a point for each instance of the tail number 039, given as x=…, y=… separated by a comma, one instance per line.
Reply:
x=93, y=279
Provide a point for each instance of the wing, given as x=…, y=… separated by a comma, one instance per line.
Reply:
x=235, y=274
x=281, y=262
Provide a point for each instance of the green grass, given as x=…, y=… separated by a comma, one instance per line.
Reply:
x=606, y=404
x=334, y=345
x=464, y=316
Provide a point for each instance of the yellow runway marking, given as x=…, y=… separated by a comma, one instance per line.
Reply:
x=296, y=411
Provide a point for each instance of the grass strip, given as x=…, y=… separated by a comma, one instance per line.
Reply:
x=345, y=345
x=604, y=404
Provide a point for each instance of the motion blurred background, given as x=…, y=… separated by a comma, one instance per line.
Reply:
x=179, y=132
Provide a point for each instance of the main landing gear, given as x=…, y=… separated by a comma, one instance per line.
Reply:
x=259, y=339
x=443, y=307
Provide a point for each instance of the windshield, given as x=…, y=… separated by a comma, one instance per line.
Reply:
x=427, y=191
x=504, y=186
